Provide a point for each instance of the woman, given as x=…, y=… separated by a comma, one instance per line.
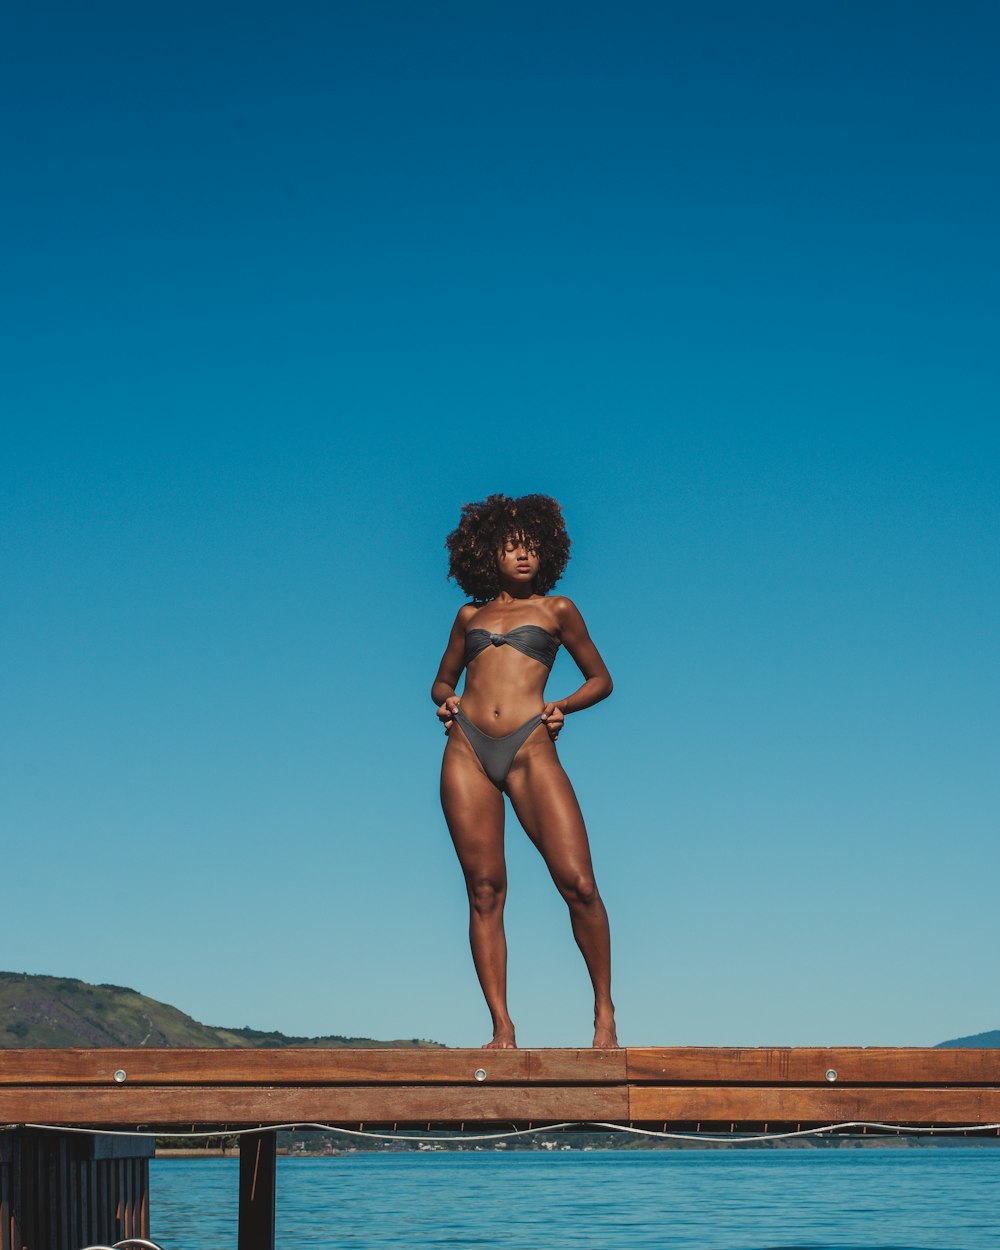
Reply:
x=507, y=554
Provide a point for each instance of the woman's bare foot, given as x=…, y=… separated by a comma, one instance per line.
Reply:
x=605, y=1033
x=503, y=1038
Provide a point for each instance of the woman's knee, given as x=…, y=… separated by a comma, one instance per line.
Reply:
x=579, y=890
x=487, y=894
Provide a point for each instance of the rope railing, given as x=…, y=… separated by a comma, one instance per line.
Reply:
x=729, y=1139
x=130, y=1243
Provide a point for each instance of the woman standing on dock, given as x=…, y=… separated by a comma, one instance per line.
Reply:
x=507, y=554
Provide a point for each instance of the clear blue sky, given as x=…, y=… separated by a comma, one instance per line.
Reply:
x=287, y=284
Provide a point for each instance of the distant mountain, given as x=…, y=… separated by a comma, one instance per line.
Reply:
x=977, y=1039
x=61, y=1011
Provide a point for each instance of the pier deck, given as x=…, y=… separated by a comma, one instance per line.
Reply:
x=686, y=1089
x=642, y=1086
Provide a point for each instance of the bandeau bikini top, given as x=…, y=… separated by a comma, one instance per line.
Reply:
x=531, y=640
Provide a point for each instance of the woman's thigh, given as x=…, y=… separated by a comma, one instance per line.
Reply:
x=473, y=809
x=545, y=803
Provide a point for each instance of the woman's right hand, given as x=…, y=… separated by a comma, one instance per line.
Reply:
x=446, y=712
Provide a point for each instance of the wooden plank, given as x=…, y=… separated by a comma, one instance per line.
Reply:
x=31, y=1187
x=92, y=1200
x=272, y=1067
x=17, y=1228
x=74, y=1233
x=118, y=1169
x=28, y=1187
x=144, y=1200
x=348, y=1104
x=805, y=1064
x=258, y=1185
x=794, y=1065
x=105, y=1195
x=813, y=1105
x=6, y=1211
x=230, y=1067
x=589, y=1067
x=86, y=1189
x=58, y=1151
x=125, y=1166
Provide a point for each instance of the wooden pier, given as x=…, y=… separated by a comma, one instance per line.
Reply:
x=682, y=1089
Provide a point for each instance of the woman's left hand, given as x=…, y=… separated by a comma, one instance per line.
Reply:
x=553, y=719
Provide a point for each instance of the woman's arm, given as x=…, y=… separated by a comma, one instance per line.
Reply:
x=597, y=683
x=450, y=668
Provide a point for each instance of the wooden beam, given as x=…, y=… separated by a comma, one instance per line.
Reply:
x=809, y=1064
x=258, y=1177
x=812, y=1105
x=151, y=1106
x=310, y=1067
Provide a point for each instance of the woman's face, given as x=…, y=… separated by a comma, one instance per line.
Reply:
x=517, y=560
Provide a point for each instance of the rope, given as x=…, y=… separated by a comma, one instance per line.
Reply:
x=130, y=1243
x=728, y=1140
x=805, y=1132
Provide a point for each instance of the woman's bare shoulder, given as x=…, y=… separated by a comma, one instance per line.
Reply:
x=466, y=613
x=561, y=612
x=563, y=607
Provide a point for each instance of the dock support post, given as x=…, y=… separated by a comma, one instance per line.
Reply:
x=258, y=1156
x=59, y=1191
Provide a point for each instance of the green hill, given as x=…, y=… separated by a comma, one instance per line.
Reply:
x=61, y=1011
x=977, y=1039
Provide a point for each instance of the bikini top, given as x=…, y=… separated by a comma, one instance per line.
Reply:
x=531, y=640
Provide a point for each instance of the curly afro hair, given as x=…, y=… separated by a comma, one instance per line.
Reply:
x=487, y=525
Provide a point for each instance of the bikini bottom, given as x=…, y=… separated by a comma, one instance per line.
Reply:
x=496, y=754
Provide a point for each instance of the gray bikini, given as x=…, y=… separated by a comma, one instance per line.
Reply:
x=497, y=754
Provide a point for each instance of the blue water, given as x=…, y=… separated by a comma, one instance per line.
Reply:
x=934, y=1198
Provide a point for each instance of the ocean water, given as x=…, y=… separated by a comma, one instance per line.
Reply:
x=876, y=1198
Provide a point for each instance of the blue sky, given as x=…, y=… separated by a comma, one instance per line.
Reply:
x=288, y=286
